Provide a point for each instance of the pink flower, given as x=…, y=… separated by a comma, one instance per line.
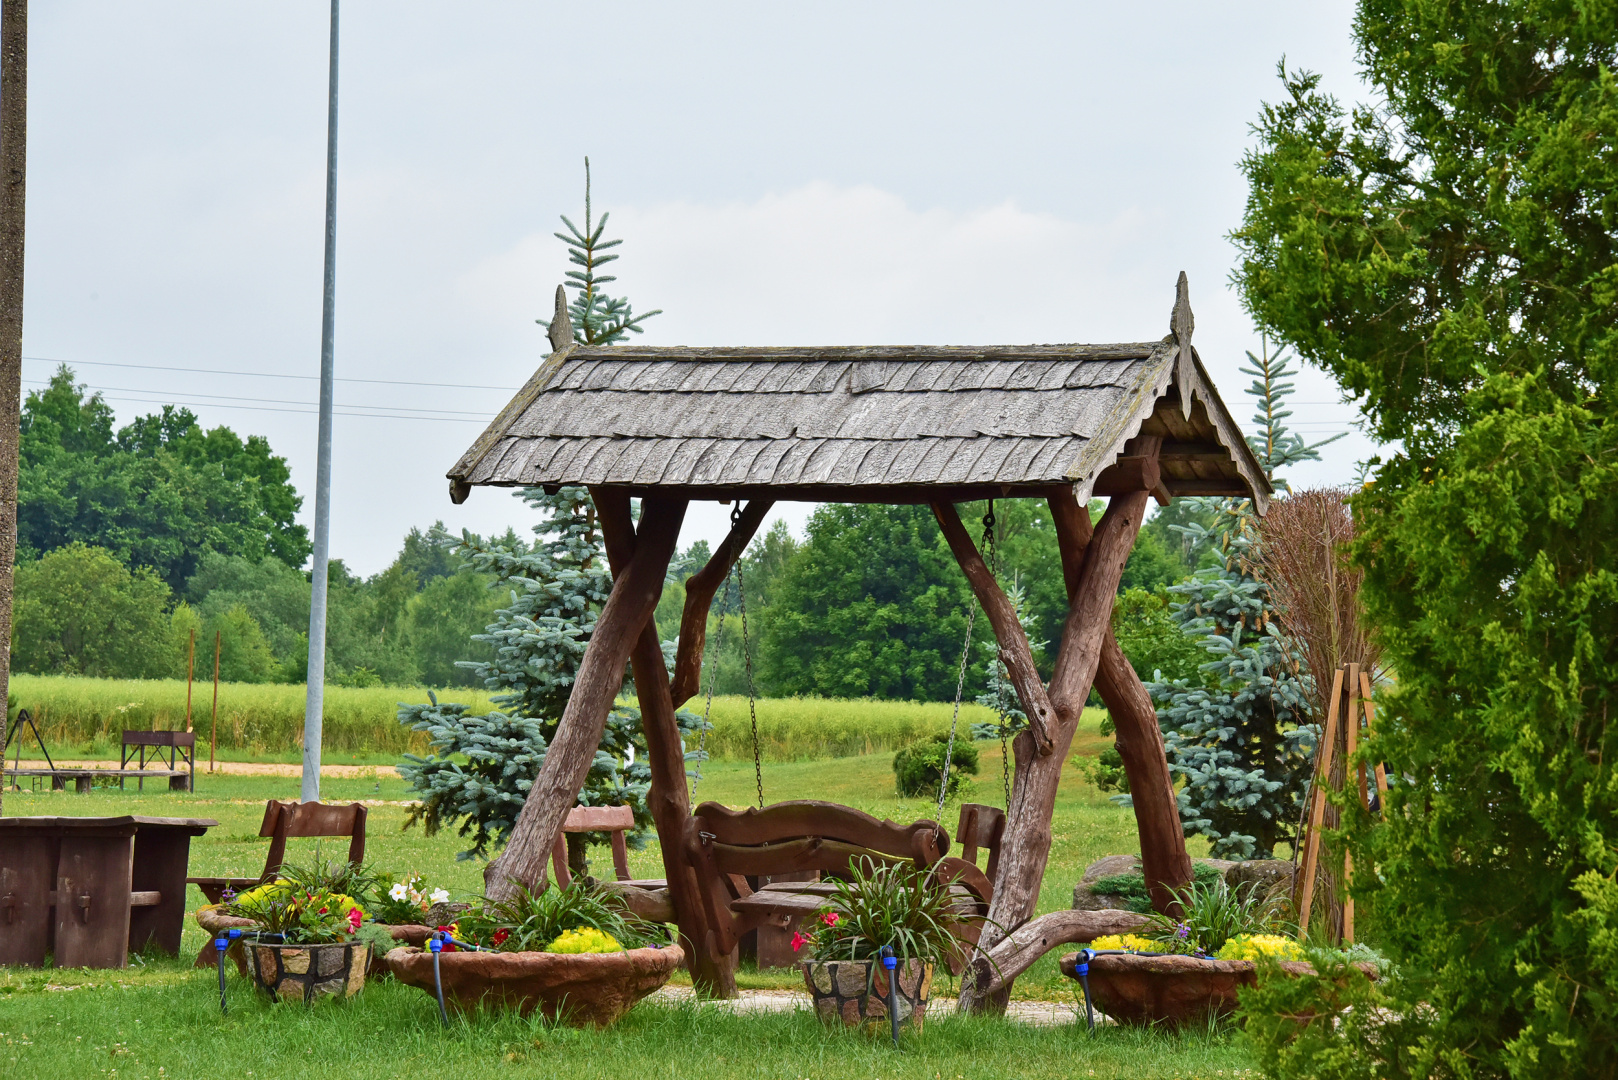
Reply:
x=353, y=918
x=799, y=940
x=830, y=918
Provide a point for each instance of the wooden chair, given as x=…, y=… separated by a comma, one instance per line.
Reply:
x=283, y=821
x=616, y=820
x=727, y=846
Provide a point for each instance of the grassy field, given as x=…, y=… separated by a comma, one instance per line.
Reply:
x=162, y=1014
x=264, y=722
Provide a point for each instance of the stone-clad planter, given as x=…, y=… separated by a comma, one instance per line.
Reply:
x=582, y=989
x=1173, y=990
x=855, y=992
x=305, y=972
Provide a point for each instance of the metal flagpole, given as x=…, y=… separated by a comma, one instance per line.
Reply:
x=312, y=713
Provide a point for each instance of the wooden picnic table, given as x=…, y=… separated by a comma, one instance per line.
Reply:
x=84, y=779
x=90, y=889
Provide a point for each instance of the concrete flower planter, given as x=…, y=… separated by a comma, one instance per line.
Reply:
x=1173, y=990
x=851, y=993
x=581, y=989
x=305, y=972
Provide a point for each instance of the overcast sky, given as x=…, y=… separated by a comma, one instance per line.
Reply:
x=926, y=173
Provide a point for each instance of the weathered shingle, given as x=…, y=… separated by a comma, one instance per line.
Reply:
x=836, y=419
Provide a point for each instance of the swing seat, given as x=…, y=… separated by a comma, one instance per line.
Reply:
x=726, y=847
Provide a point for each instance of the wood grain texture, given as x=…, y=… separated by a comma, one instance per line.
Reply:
x=699, y=593
x=925, y=840
x=1165, y=863
x=1027, y=842
x=668, y=800
x=597, y=683
x=13, y=232
x=1008, y=631
x=1011, y=956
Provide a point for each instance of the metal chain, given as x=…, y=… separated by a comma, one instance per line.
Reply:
x=960, y=685
x=960, y=678
x=991, y=540
x=747, y=662
x=707, y=711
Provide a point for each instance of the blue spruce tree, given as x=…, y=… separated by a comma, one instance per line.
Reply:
x=557, y=588
x=1239, y=737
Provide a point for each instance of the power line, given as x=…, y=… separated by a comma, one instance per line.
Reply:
x=303, y=412
x=264, y=374
x=269, y=401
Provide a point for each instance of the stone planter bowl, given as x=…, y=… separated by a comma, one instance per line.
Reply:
x=1173, y=990
x=305, y=972
x=581, y=989
x=855, y=992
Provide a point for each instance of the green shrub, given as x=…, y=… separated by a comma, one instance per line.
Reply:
x=1131, y=887
x=918, y=769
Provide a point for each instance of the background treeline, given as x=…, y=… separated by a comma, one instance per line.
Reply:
x=132, y=540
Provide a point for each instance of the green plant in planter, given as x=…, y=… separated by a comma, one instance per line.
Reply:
x=298, y=915
x=403, y=901
x=579, y=918
x=881, y=905
x=1212, y=914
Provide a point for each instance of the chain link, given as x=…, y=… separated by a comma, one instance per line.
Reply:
x=960, y=679
x=707, y=711
x=747, y=663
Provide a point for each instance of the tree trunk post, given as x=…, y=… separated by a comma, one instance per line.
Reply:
x=596, y=685
x=1027, y=841
x=669, y=798
x=13, y=176
x=1165, y=863
x=699, y=590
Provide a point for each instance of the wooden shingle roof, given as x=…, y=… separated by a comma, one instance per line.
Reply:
x=889, y=424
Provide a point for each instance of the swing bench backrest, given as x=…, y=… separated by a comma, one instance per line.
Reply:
x=727, y=846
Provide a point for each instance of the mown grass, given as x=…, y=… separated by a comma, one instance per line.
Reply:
x=164, y=1022
x=86, y=717
x=163, y=1014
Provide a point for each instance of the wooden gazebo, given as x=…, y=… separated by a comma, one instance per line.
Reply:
x=935, y=425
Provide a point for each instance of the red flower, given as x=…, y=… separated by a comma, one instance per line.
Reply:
x=830, y=918
x=799, y=940
x=323, y=911
x=500, y=936
x=353, y=918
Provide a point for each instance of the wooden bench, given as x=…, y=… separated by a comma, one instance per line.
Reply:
x=180, y=745
x=284, y=820
x=84, y=779
x=616, y=820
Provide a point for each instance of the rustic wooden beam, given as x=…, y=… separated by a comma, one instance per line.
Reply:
x=1165, y=863
x=992, y=972
x=699, y=590
x=669, y=798
x=1027, y=842
x=1008, y=631
x=595, y=686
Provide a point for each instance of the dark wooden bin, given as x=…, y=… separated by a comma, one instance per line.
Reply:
x=90, y=889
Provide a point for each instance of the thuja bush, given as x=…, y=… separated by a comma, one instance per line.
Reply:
x=1449, y=254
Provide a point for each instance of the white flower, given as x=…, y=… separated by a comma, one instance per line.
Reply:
x=439, y=896
x=399, y=891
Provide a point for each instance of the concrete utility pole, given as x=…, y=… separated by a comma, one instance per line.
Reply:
x=315, y=703
x=13, y=173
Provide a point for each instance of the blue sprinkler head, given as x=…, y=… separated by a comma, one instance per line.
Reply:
x=437, y=943
x=889, y=961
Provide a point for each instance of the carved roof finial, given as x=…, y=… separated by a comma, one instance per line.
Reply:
x=561, y=332
x=1181, y=324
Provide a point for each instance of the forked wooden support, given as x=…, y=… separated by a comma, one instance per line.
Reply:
x=669, y=798
x=597, y=683
x=699, y=591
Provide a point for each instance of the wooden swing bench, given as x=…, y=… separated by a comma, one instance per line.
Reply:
x=726, y=847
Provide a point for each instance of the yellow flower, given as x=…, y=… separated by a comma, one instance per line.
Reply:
x=1254, y=946
x=1126, y=942
x=585, y=940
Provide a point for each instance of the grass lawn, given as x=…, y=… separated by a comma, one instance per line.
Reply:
x=162, y=1014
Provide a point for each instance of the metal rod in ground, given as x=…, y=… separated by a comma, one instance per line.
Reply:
x=314, y=704
x=190, y=670
x=891, y=962
x=213, y=735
